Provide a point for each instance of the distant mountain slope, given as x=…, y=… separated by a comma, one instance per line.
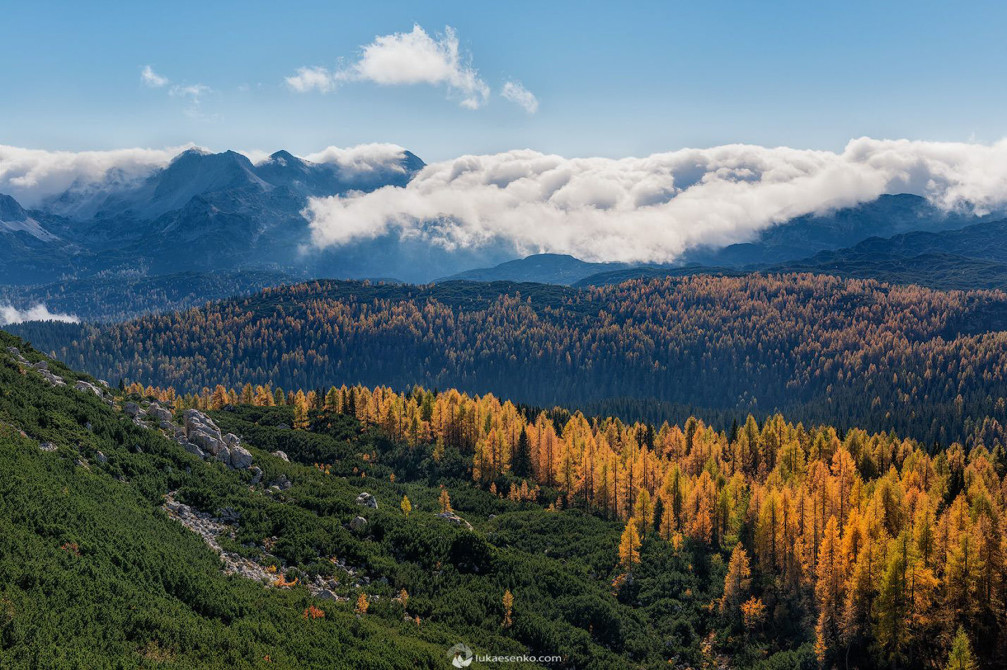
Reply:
x=775, y=247
x=974, y=257
x=807, y=235
x=540, y=268
x=203, y=212
x=118, y=298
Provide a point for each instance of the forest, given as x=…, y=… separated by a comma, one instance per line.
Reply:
x=862, y=544
x=927, y=364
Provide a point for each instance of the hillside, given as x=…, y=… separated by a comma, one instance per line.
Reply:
x=925, y=363
x=101, y=571
x=221, y=537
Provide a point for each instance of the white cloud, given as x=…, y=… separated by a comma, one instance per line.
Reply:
x=152, y=79
x=651, y=209
x=193, y=95
x=10, y=315
x=404, y=59
x=312, y=79
x=519, y=95
x=192, y=92
x=32, y=175
x=361, y=158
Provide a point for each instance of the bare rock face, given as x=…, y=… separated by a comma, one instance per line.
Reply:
x=207, y=441
x=281, y=455
x=193, y=449
x=241, y=458
x=367, y=500
x=231, y=440
x=224, y=455
x=48, y=446
x=131, y=409
x=159, y=413
x=359, y=523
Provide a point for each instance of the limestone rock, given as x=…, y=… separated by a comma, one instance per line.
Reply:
x=367, y=500
x=454, y=520
x=160, y=414
x=194, y=449
x=88, y=387
x=281, y=455
x=241, y=458
x=359, y=523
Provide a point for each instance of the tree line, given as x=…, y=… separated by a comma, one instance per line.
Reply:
x=927, y=364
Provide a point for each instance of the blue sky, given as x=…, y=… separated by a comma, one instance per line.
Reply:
x=611, y=79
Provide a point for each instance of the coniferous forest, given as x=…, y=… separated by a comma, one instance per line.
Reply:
x=852, y=353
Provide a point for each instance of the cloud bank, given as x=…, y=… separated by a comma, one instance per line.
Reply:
x=10, y=315
x=404, y=59
x=651, y=209
x=33, y=175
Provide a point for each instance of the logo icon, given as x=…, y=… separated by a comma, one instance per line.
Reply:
x=460, y=655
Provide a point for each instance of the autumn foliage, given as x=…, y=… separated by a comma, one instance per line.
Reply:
x=313, y=612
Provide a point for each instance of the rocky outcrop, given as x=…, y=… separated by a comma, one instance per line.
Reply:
x=281, y=455
x=88, y=387
x=241, y=458
x=198, y=435
x=454, y=520
x=210, y=528
x=358, y=523
x=367, y=500
x=159, y=414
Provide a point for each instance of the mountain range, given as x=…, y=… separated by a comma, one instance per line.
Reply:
x=209, y=225
x=204, y=212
